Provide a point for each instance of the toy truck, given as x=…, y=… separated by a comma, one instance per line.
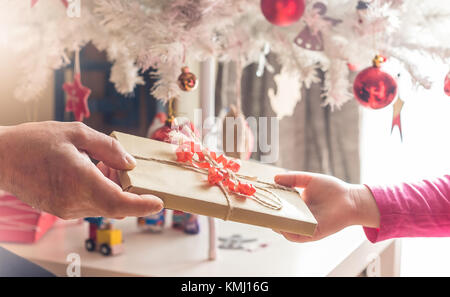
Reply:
x=103, y=237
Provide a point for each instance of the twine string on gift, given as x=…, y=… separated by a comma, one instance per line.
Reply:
x=221, y=171
x=263, y=194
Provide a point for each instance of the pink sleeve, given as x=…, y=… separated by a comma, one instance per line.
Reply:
x=412, y=210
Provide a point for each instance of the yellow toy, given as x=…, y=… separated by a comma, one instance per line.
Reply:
x=103, y=237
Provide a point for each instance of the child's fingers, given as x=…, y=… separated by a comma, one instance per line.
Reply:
x=294, y=179
x=296, y=237
x=293, y=237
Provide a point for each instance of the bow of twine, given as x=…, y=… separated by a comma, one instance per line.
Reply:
x=221, y=171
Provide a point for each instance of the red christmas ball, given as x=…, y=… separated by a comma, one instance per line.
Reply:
x=447, y=84
x=374, y=88
x=283, y=12
x=162, y=133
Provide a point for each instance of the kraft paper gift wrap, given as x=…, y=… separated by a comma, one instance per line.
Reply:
x=189, y=191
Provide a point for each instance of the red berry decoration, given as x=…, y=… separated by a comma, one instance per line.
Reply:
x=374, y=88
x=283, y=12
x=447, y=85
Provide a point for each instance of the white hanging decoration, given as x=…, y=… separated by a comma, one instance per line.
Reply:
x=262, y=62
x=288, y=94
x=124, y=75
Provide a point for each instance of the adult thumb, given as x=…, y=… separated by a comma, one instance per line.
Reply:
x=102, y=147
x=299, y=179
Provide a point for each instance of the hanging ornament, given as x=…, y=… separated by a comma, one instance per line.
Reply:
x=374, y=88
x=282, y=12
x=311, y=37
x=361, y=27
x=163, y=124
x=447, y=84
x=158, y=122
x=361, y=10
x=263, y=63
x=77, y=94
x=288, y=93
x=163, y=133
x=396, y=118
x=241, y=135
x=187, y=81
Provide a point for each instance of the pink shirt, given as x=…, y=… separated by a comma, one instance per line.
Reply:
x=412, y=210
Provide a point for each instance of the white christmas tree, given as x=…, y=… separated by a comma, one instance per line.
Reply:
x=139, y=34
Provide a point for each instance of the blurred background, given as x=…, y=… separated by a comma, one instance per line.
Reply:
x=110, y=110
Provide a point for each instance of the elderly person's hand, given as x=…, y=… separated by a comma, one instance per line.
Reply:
x=47, y=166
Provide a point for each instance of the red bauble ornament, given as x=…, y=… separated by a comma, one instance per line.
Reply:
x=447, y=84
x=187, y=81
x=163, y=131
x=283, y=12
x=374, y=88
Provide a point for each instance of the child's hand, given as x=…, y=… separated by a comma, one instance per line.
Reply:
x=334, y=203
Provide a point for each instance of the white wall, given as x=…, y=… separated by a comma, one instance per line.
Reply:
x=424, y=153
x=13, y=111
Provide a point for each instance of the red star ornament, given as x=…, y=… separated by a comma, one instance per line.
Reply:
x=33, y=3
x=77, y=96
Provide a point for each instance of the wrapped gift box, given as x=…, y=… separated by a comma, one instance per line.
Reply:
x=20, y=223
x=187, y=190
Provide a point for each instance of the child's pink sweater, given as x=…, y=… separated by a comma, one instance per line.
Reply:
x=412, y=210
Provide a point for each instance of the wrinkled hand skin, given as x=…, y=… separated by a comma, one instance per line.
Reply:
x=334, y=203
x=47, y=166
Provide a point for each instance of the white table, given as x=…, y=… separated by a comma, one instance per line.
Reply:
x=173, y=253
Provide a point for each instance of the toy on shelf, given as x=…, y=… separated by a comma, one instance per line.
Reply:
x=177, y=219
x=153, y=223
x=186, y=222
x=180, y=221
x=103, y=237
